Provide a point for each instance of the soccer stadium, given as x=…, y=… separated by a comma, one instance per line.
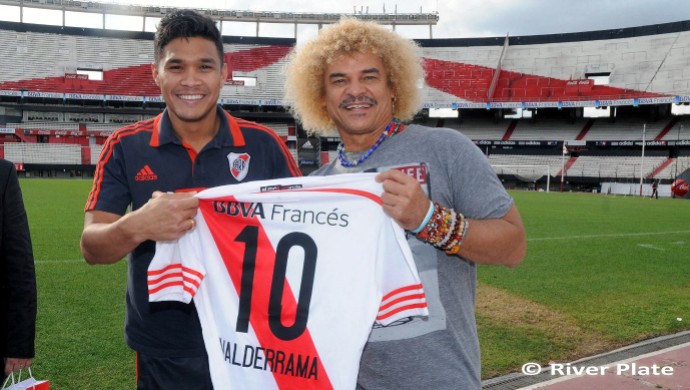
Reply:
x=576, y=125
x=534, y=104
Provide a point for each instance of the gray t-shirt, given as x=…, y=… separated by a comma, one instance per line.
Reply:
x=441, y=352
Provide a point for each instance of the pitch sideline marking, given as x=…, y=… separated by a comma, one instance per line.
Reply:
x=618, y=235
x=64, y=261
x=650, y=246
x=529, y=239
x=69, y=261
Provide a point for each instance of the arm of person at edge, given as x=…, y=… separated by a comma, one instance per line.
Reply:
x=109, y=237
x=498, y=241
x=17, y=248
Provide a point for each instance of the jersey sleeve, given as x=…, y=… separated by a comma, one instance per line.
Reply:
x=176, y=271
x=403, y=293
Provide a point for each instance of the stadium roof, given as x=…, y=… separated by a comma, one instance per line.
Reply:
x=227, y=15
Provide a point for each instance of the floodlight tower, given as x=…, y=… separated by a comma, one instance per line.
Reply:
x=675, y=173
x=565, y=150
x=644, y=133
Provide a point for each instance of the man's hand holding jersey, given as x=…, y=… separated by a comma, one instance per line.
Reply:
x=168, y=216
x=488, y=241
x=108, y=237
x=403, y=198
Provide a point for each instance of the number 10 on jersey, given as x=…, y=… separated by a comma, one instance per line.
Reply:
x=250, y=237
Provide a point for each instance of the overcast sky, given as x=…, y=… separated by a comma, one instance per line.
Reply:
x=458, y=18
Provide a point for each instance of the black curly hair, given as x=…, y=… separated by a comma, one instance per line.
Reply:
x=186, y=24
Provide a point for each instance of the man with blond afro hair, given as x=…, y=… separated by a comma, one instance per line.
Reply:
x=363, y=82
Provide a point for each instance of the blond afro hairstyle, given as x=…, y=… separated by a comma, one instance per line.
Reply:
x=304, y=85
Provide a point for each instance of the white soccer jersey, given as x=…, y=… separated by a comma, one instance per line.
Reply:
x=288, y=277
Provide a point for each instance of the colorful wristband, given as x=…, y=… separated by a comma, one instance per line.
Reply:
x=429, y=213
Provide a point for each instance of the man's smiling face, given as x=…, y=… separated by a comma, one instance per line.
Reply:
x=357, y=95
x=190, y=75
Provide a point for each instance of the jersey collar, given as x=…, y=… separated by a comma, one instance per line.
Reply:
x=230, y=133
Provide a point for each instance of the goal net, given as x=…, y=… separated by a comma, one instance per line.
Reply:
x=526, y=173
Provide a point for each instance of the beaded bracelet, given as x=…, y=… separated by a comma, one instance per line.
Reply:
x=433, y=231
x=451, y=219
x=429, y=213
x=457, y=232
x=446, y=229
x=431, y=227
x=453, y=249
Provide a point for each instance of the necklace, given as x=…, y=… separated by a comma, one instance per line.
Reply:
x=392, y=129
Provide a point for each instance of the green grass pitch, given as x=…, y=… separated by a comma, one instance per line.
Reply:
x=600, y=272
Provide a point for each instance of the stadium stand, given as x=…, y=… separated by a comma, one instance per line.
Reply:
x=641, y=62
x=44, y=126
x=623, y=129
x=36, y=153
x=548, y=129
x=475, y=128
x=50, y=97
x=613, y=167
x=38, y=116
x=520, y=99
x=97, y=128
x=95, y=151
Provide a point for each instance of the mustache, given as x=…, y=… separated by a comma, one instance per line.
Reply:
x=357, y=99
